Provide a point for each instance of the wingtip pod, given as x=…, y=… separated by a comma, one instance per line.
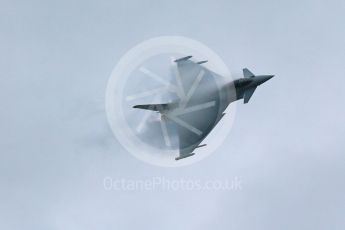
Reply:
x=199, y=146
x=201, y=62
x=153, y=107
x=184, y=156
x=184, y=58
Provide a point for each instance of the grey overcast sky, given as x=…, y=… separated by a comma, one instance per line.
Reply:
x=286, y=146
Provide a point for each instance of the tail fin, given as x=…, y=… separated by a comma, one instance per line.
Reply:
x=153, y=107
x=247, y=73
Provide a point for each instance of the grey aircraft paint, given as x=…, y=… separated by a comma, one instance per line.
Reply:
x=183, y=117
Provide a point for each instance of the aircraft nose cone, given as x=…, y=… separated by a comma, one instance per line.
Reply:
x=268, y=77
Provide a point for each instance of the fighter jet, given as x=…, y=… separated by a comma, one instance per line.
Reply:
x=201, y=102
